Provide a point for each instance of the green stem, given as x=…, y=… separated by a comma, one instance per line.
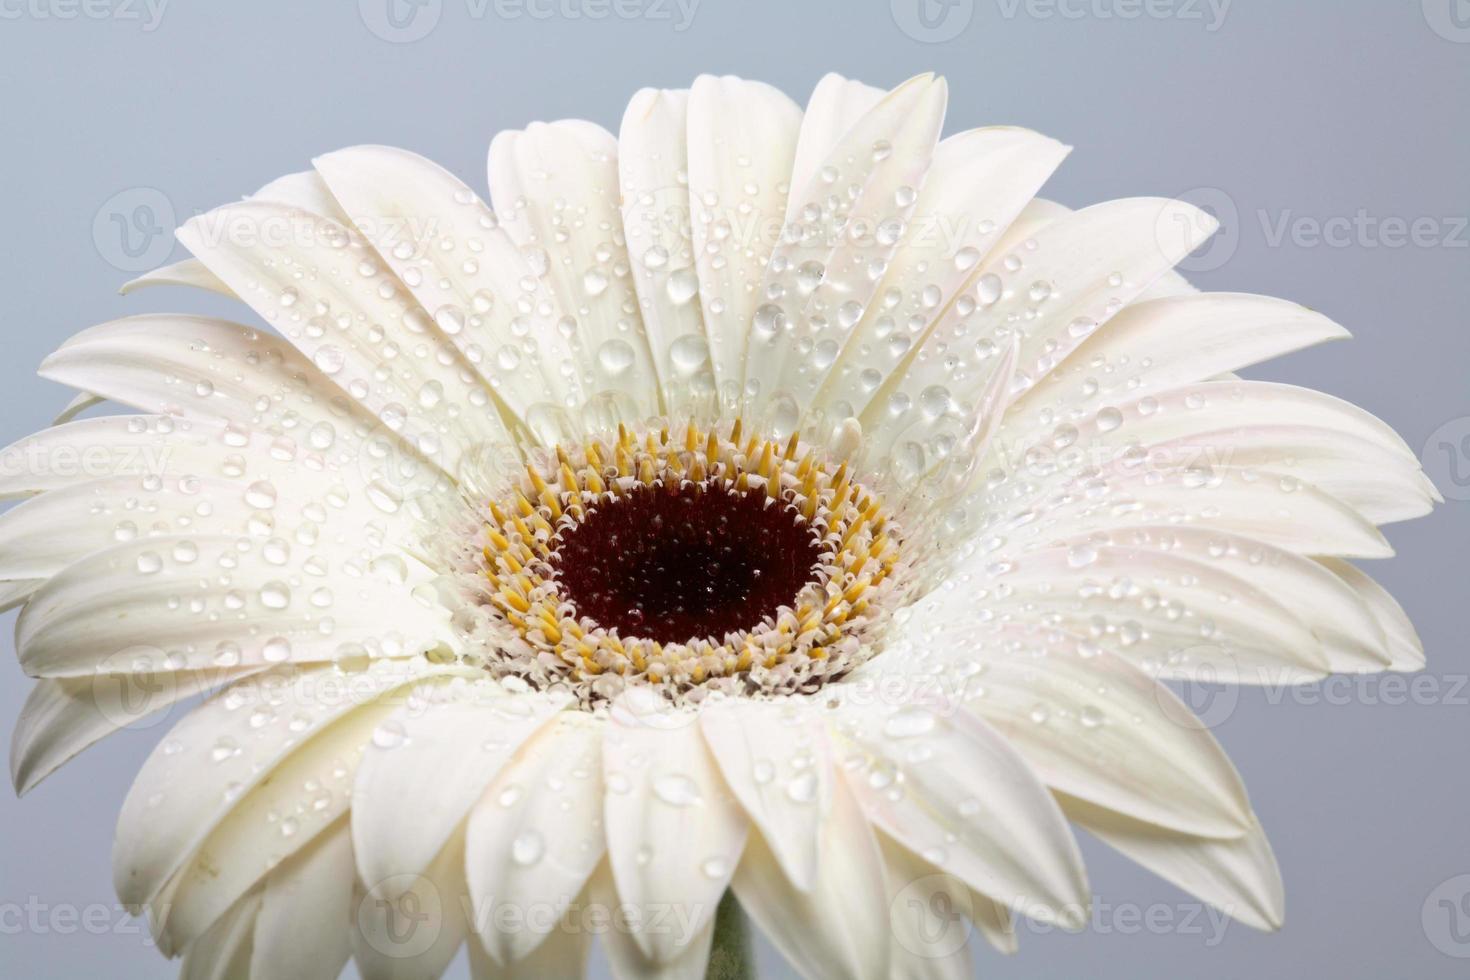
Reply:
x=732, y=956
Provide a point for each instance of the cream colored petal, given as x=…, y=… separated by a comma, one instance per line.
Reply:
x=411, y=929
x=224, y=952
x=1051, y=289
x=838, y=926
x=442, y=755
x=835, y=106
x=620, y=926
x=534, y=839
x=844, y=225
x=958, y=794
x=224, y=748
x=653, y=172
x=741, y=144
x=252, y=601
x=776, y=759
x=448, y=250
x=674, y=829
x=1169, y=613
x=1406, y=651
x=302, y=931
x=930, y=913
x=322, y=286
x=1164, y=343
x=555, y=190
x=979, y=182
x=63, y=716
x=188, y=272
x=1240, y=877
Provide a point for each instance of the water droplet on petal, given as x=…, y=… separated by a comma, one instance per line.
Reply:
x=676, y=790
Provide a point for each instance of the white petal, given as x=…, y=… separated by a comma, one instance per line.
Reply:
x=41, y=537
x=63, y=716
x=958, y=794
x=652, y=168
x=224, y=952
x=535, y=838
x=119, y=609
x=995, y=922
x=979, y=182
x=189, y=272
x=878, y=166
x=81, y=403
x=1096, y=727
x=1239, y=877
x=411, y=929
x=690, y=944
x=13, y=594
x=304, y=191
x=742, y=140
x=674, y=830
x=299, y=190
x=1160, y=344
x=776, y=759
x=563, y=954
x=462, y=268
x=555, y=189
x=325, y=290
x=271, y=399
x=1281, y=512
x=125, y=445
x=1171, y=614
x=928, y=483
x=306, y=905
x=211, y=759
x=428, y=776
x=930, y=914
x=302, y=796
x=1352, y=638
x=838, y=927
x=835, y=106
x=117, y=478
x=1405, y=649
x=1061, y=282
x=172, y=364
x=1272, y=429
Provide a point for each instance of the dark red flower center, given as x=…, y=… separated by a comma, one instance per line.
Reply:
x=695, y=561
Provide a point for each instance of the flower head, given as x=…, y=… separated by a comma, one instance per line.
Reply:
x=775, y=502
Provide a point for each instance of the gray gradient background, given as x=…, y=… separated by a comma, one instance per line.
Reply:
x=1282, y=111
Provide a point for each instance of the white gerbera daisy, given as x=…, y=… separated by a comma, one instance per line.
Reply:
x=756, y=503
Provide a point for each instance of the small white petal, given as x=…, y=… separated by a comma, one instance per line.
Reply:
x=432, y=765
x=675, y=831
x=776, y=760
x=302, y=931
x=536, y=836
x=1240, y=877
x=837, y=927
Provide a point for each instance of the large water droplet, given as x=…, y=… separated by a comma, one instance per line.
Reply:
x=615, y=356
x=676, y=790
x=527, y=848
